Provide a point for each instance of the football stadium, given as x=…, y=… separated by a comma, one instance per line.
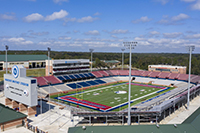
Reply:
x=97, y=97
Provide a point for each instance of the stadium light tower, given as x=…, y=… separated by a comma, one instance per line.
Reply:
x=190, y=48
x=49, y=49
x=122, y=57
x=91, y=50
x=129, y=45
x=6, y=59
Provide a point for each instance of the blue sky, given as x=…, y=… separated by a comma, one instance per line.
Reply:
x=78, y=25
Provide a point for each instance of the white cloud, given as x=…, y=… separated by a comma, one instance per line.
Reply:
x=18, y=41
x=94, y=32
x=94, y=43
x=81, y=20
x=97, y=14
x=114, y=45
x=172, y=35
x=65, y=38
x=70, y=19
x=179, y=17
x=86, y=19
x=37, y=17
x=60, y=1
x=154, y=33
x=179, y=41
x=33, y=17
x=56, y=15
x=142, y=19
x=44, y=43
x=7, y=17
x=174, y=20
x=145, y=43
x=196, y=6
x=119, y=31
x=114, y=36
x=194, y=36
x=163, y=21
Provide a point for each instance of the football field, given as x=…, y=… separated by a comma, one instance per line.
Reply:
x=112, y=96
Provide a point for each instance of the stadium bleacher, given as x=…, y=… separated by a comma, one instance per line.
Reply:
x=97, y=74
x=61, y=78
x=72, y=77
x=74, y=85
x=109, y=72
x=114, y=72
x=124, y=72
x=173, y=76
x=100, y=81
x=86, y=75
x=77, y=76
x=104, y=73
x=83, y=84
x=92, y=82
x=164, y=75
x=41, y=81
x=145, y=73
x=154, y=74
x=91, y=75
x=52, y=79
x=67, y=78
x=195, y=79
x=183, y=77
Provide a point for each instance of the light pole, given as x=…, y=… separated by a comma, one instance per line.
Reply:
x=6, y=59
x=122, y=57
x=191, y=48
x=129, y=45
x=91, y=50
x=49, y=49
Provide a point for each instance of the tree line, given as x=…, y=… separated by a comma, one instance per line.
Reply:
x=139, y=60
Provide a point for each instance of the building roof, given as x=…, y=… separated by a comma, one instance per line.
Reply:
x=190, y=125
x=12, y=58
x=7, y=114
x=167, y=66
x=110, y=61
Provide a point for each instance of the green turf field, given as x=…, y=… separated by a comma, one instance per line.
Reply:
x=107, y=95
